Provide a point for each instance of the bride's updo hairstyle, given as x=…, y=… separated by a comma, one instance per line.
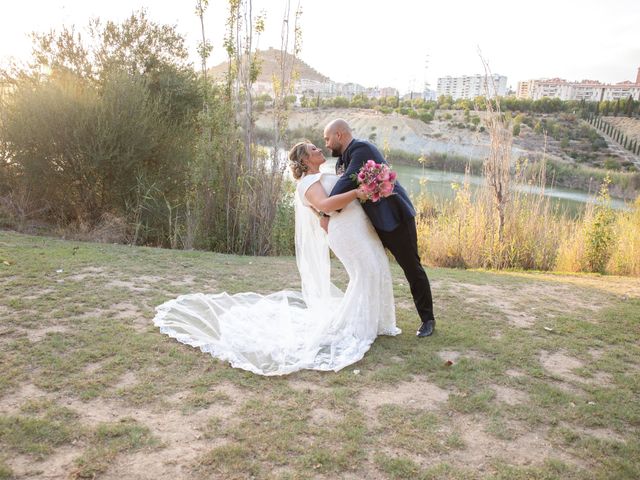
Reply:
x=296, y=156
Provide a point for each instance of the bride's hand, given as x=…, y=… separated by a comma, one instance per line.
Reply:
x=361, y=194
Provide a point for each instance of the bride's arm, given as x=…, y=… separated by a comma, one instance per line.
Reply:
x=317, y=197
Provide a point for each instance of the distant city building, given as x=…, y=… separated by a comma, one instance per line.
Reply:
x=622, y=90
x=472, y=86
x=315, y=88
x=413, y=96
x=587, y=90
x=329, y=89
x=524, y=89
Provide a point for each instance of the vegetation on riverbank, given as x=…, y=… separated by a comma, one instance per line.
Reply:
x=461, y=233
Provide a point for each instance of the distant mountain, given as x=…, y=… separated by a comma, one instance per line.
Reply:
x=270, y=66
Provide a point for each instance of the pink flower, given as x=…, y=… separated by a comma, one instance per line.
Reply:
x=369, y=187
x=376, y=180
x=386, y=188
x=383, y=176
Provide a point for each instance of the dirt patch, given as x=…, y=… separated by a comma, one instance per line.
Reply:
x=41, y=293
x=305, y=386
x=523, y=312
x=125, y=310
x=92, y=368
x=601, y=379
x=89, y=272
x=449, y=355
x=222, y=410
x=561, y=365
x=186, y=280
x=482, y=449
x=553, y=293
x=454, y=356
x=129, y=285
x=510, y=396
x=605, y=434
x=8, y=279
x=151, y=278
x=405, y=304
x=127, y=380
x=415, y=394
x=56, y=466
x=169, y=463
x=626, y=287
x=10, y=404
x=499, y=299
x=133, y=315
x=322, y=417
x=596, y=353
x=37, y=334
x=180, y=435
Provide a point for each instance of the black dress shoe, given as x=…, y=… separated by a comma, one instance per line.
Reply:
x=426, y=328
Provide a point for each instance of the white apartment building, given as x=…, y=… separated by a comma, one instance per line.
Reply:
x=587, y=90
x=472, y=86
x=550, y=88
x=305, y=86
x=621, y=91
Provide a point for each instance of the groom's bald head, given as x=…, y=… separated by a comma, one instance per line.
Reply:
x=337, y=125
x=337, y=136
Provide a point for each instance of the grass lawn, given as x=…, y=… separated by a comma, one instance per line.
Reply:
x=528, y=376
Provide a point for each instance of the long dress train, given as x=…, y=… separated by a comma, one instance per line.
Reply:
x=319, y=328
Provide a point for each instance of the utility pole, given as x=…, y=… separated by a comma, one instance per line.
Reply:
x=426, y=82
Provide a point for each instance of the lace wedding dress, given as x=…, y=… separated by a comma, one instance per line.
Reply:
x=319, y=328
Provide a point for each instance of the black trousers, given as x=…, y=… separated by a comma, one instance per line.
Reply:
x=403, y=245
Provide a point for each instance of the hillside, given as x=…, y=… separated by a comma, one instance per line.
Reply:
x=270, y=65
x=448, y=134
x=399, y=132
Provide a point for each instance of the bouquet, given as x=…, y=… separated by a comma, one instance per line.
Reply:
x=376, y=180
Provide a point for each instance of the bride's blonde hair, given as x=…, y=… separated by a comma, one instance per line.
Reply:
x=296, y=156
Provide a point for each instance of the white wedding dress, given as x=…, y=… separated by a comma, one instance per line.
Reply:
x=319, y=328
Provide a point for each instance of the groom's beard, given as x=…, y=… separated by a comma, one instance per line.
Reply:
x=335, y=153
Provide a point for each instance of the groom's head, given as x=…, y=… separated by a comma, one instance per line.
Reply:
x=337, y=136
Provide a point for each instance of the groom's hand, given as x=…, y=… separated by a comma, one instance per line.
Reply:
x=324, y=223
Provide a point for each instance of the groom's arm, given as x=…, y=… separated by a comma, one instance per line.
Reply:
x=359, y=155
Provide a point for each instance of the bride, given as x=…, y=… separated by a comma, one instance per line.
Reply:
x=319, y=328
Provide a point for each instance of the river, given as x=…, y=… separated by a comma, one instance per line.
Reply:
x=437, y=184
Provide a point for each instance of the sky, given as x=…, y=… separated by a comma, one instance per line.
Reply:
x=398, y=43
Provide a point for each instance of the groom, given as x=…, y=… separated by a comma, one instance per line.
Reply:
x=392, y=217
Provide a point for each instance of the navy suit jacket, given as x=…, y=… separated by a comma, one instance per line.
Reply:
x=386, y=214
